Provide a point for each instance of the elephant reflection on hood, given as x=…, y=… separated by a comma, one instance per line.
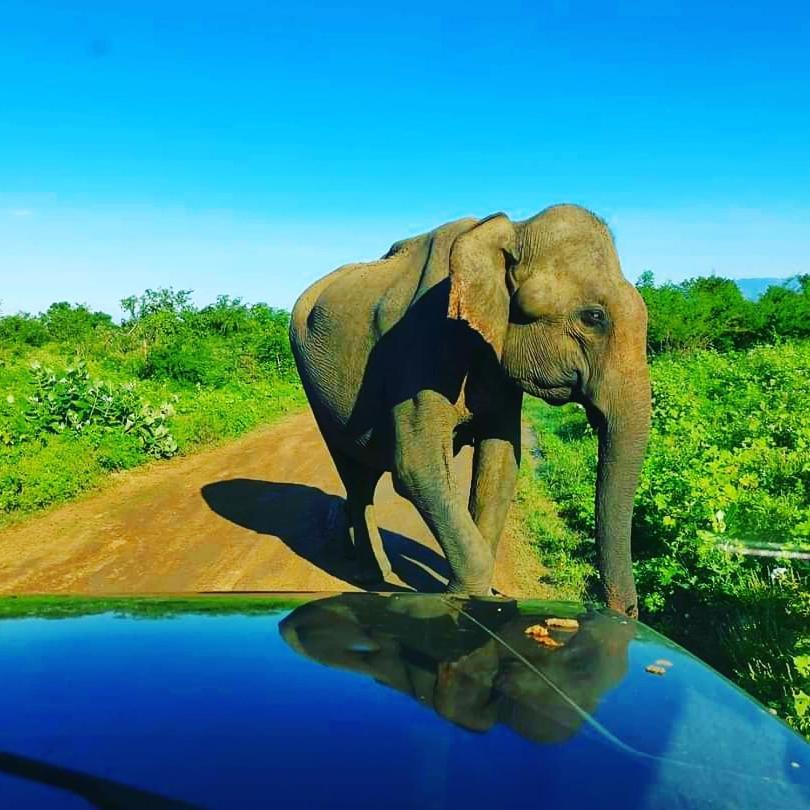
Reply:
x=431, y=650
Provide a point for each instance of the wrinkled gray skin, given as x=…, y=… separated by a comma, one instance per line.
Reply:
x=406, y=359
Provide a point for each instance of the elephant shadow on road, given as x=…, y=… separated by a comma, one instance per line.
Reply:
x=309, y=521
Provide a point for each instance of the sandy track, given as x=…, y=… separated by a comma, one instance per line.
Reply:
x=257, y=514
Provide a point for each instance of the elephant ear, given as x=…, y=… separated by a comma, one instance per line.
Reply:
x=479, y=262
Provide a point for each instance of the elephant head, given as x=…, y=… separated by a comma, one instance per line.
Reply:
x=548, y=296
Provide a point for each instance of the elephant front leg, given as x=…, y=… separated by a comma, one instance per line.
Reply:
x=494, y=476
x=422, y=473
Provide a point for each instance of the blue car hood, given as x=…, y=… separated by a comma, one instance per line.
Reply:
x=372, y=700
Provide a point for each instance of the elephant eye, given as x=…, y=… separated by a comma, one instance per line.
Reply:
x=594, y=317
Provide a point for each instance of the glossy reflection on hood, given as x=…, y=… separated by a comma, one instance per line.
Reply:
x=471, y=661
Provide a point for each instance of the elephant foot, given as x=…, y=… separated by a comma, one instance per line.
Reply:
x=459, y=588
x=371, y=572
x=365, y=569
x=475, y=579
x=622, y=599
x=629, y=608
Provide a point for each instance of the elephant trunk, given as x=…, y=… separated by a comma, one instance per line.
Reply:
x=622, y=422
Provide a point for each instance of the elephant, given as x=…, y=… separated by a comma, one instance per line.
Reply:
x=406, y=359
x=446, y=661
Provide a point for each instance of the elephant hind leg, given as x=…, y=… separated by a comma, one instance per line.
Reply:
x=362, y=539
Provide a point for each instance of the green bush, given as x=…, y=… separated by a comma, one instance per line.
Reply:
x=187, y=361
x=22, y=330
x=218, y=371
x=72, y=401
x=711, y=313
x=214, y=415
x=73, y=323
x=225, y=342
x=59, y=470
x=785, y=312
x=14, y=427
x=115, y=450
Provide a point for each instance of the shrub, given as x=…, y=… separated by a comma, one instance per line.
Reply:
x=225, y=317
x=711, y=313
x=22, y=330
x=187, y=361
x=74, y=402
x=785, y=312
x=218, y=371
x=72, y=324
x=217, y=414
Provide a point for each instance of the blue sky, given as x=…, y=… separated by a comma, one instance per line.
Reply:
x=247, y=149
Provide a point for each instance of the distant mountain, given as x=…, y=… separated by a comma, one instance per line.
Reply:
x=752, y=288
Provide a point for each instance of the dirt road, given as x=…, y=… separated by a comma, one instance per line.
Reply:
x=257, y=514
